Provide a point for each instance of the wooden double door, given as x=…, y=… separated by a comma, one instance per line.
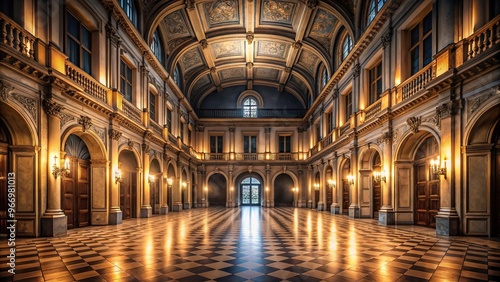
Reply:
x=3, y=188
x=128, y=194
x=75, y=194
x=427, y=196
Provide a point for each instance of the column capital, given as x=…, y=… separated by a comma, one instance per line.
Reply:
x=114, y=134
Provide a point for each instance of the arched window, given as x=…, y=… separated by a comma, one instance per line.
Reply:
x=177, y=77
x=373, y=8
x=346, y=46
x=324, y=78
x=250, y=107
x=156, y=47
x=129, y=7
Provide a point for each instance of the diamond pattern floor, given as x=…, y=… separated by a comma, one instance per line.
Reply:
x=252, y=244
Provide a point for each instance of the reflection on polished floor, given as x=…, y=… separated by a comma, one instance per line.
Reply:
x=252, y=244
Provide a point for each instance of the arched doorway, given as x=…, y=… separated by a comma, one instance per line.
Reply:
x=75, y=194
x=283, y=193
x=346, y=170
x=217, y=195
x=185, y=191
x=329, y=190
x=250, y=188
x=377, y=186
x=128, y=188
x=155, y=187
x=170, y=188
x=5, y=141
x=193, y=191
x=482, y=172
x=317, y=182
x=427, y=199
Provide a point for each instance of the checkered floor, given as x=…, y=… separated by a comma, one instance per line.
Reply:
x=251, y=244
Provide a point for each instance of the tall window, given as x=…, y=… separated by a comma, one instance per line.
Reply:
x=284, y=143
x=216, y=144
x=152, y=106
x=129, y=7
x=329, y=122
x=126, y=81
x=156, y=46
x=177, y=77
x=189, y=136
x=348, y=106
x=374, y=7
x=324, y=78
x=346, y=46
x=421, y=44
x=250, y=108
x=168, y=122
x=250, y=144
x=318, y=132
x=181, y=131
x=375, y=76
x=79, y=42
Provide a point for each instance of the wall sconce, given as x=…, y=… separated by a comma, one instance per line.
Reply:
x=295, y=189
x=332, y=183
x=350, y=179
x=151, y=179
x=316, y=186
x=206, y=189
x=267, y=189
x=57, y=171
x=170, y=182
x=380, y=176
x=118, y=176
x=436, y=167
x=184, y=185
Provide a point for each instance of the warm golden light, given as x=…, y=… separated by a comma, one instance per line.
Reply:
x=380, y=176
x=151, y=179
x=332, y=183
x=437, y=167
x=316, y=186
x=350, y=179
x=118, y=176
x=170, y=181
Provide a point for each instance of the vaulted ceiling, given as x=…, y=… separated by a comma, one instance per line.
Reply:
x=217, y=44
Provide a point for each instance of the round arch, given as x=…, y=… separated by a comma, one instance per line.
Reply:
x=96, y=147
x=22, y=131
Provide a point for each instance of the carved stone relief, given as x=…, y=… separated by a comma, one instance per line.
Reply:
x=29, y=104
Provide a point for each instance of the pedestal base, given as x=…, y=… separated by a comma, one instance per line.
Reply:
x=447, y=225
x=310, y=204
x=164, y=210
x=146, y=212
x=54, y=225
x=386, y=217
x=187, y=205
x=177, y=207
x=335, y=209
x=115, y=217
x=302, y=204
x=321, y=206
x=353, y=212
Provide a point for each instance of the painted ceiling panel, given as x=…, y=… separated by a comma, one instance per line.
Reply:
x=272, y=49
x=265, y=73
x=277, y=12
x=310, y=61
x=232, y=74
x=175, y=24
x=219, y=13
x=322, y=28
x=191, y=59
x=199, y=85
x=228, y=49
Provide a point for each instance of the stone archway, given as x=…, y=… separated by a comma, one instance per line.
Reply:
x=129, y=187
x=283, y=193
x=155, y=186
x=482, y=173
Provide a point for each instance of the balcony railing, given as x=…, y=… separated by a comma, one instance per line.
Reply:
x=251, y=156
x=172, y=138
x=261, y=113
x=132, y=112
x=156, y=128
x=373, y=110
x=343, y=129
x=418, y=81
x=16, y=37
x=484, y=38
x=89, y=84
x=328, y=139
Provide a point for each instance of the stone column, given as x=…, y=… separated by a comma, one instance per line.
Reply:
x=146, y=210
x=335, y=207
x=268, y=186
x=231, y=142
x=54, y=222
x=115, y=214
x=230, y=188
x=302, y=188
x=447, y=220
x=177, y=189
x=164, y=205
x=446, y=23
x=354, y=207
x=309, y=184
x=267, y=131
x=322, y=184
x=386, y=214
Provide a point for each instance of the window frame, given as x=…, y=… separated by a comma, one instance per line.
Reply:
x=153, y=106
x=373, y=10
x=344, y=53
x=420, y=44
x=124, y=79
x=157, y=46
x=218, y=145
x=375, y=74
x=252, y=109
x=286, y=150
x=82, y=28
x=168, y=118
x=347, y=106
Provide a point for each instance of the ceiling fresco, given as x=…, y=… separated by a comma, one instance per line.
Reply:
x=222, y=43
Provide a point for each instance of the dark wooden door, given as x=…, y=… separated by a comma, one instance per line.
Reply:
x=155, y=196
x=3, y=189
x=377, y=198
x=495, y=221
x=128, y=195
x=427, y=195
x=329, y=199
x=75, y=194
x=316, y=198
x=345, y=197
